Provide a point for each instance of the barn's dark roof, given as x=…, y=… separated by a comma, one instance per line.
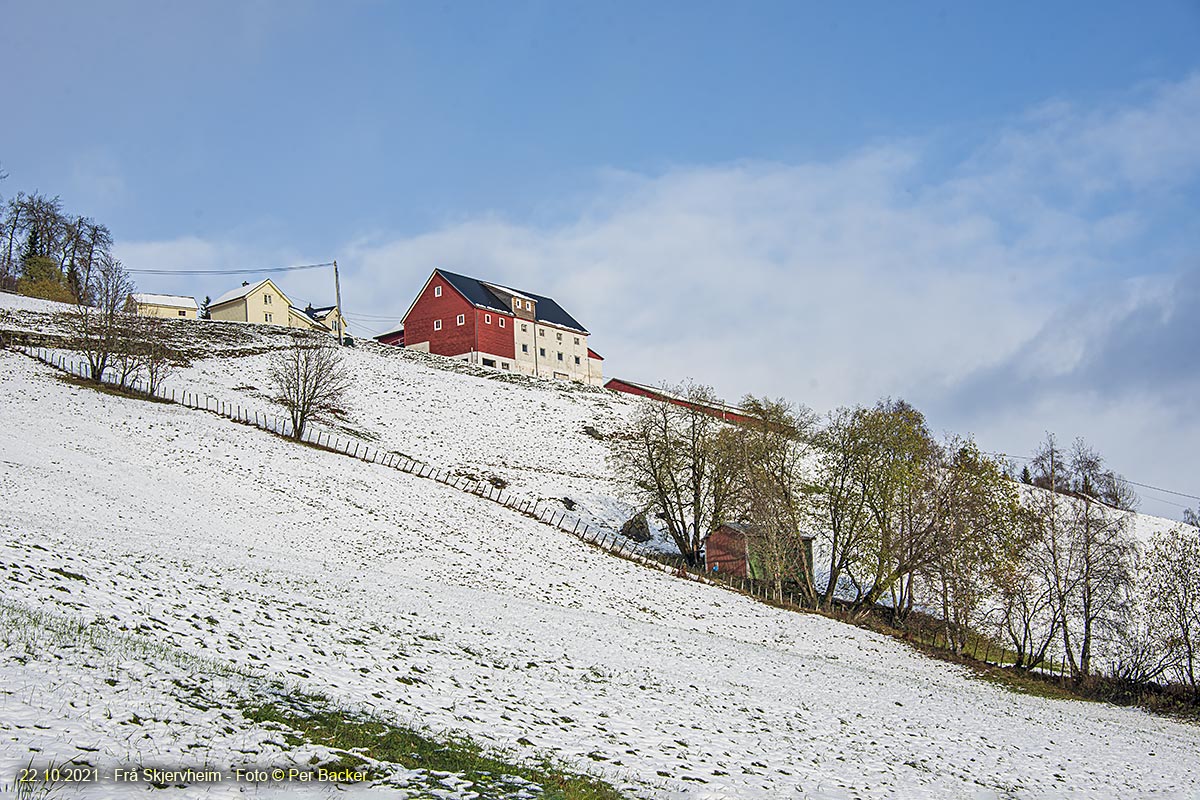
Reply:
x=477, y=293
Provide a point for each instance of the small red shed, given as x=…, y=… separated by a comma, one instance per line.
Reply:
x=725, y=551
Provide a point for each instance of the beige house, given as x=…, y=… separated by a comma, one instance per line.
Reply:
x=265, y=303
x=165, y=306
x=261, y=302
x=330, y=317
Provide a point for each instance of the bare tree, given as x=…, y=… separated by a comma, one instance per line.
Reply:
x=671, y=459
x=839, y=504
x=1173, y=593
x=99, y=329
x=311, y=381
x=769, y=492
x=979, y=517
x=1026, y=610
x=158, y=357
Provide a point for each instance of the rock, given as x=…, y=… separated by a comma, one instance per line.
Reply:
x=636, y=528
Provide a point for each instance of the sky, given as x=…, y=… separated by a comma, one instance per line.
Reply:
x=988, y=210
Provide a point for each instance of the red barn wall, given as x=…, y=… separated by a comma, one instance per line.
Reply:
x=618, y=385
x=725, y=548
x=493, y=339
x=453, y=339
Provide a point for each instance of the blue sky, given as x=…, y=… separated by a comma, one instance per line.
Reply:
x=989, y=209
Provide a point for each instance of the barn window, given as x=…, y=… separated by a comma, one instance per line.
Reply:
x=437, y=324
x=437, y=291
x=528, y=306
x=487, y=319
x=501, y=320
x=461, y=319
x=516, y=303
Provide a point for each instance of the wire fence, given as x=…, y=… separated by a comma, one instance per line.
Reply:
x=604, y=537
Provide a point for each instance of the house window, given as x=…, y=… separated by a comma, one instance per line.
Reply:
x=524, y=328
x=542, y=352
x=524, y=348
x=528, y=306
x=182, y=313
x=487, y=319
x=267, y=299
x=542, y=332
x=560, y=356
x=437, y=291
x=268, y=317
x=461, y=319
x=489, y=362
x=501, y=321
x=576, y=340
x=559, y=335
x=577, y=361
x=437, y=324
x=503, y=365
x=516, y=303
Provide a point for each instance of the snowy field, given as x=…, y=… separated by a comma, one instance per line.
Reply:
x=209, y=561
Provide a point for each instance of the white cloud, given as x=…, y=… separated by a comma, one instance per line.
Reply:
x=880, y=273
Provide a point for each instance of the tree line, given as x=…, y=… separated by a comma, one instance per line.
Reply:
x=1044, y=561
x=48, y=252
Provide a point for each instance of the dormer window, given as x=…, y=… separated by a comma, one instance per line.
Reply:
x=437, y=291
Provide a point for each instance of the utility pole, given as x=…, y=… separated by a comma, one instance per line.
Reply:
x=337, y=290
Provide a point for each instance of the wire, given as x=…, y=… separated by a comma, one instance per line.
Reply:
x=225, y=271
x=1126, y=480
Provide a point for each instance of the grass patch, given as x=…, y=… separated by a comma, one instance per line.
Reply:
x=319, y=722
x=111, y=388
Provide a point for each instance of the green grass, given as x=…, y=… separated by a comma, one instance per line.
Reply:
x=316, y=721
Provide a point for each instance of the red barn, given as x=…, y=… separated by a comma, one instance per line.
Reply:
x=725, y=551
x=720, y=410
x=496, y=326
x=728, y=551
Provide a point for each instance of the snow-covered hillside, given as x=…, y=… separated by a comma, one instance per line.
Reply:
x=208, y=560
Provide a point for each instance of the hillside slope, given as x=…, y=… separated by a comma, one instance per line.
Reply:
x=208, y=539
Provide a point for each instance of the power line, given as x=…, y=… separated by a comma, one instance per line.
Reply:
x=226, y=271
x=1126, y=480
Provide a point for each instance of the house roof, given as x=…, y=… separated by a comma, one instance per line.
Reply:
x=171, y=300
x=243, y=291
x=478, y=294
x=593, y=354
x=745, y=530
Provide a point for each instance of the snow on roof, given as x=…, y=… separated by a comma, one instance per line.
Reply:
x=507, y=290
x=171, y=300
x=239, y=293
